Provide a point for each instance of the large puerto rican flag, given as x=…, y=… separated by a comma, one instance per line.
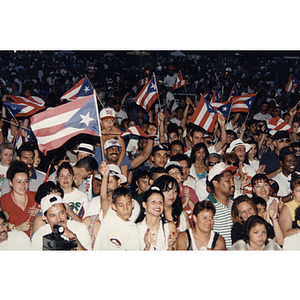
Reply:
x=242, y=103
x=24, y=106
x=291, y=85
x=147, y=95
x=278, y=124
x=53, y=127
x=82, y=89
x=205, y=115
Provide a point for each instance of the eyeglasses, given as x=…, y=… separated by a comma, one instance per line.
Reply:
x=209, y=142
x=229, y=163
x=212, y=163
x=284, y=140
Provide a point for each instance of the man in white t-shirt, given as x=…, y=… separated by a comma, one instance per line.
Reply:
x=263, y=114
x=12, y=240
x=170, y=79
x=55, y=215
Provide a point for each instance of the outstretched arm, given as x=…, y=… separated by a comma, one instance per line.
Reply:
x=223, y=137
x=144, y=155
x=104, y=170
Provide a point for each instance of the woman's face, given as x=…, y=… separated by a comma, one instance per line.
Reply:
x=245, y=211
x=175, y=173
x=262, y=189
x=154, y=205
x=200, y=154
x=204, y=220
x=296, y=193
x=257, y=236
x=295, y=127
x=65, y=179
x=252, y=152
x=170, y=195
x=20, y=183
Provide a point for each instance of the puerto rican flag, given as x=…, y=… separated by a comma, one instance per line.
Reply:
x=291, y=85
x=157, y=110
x=24, y=106
x=53, y=127
x=223, y=107
x=180, y=82
x=147, y=95
x=136, y=130
x=215, y=97
x=82, y=89
x=206, y=94
x=242, y=103
x=205, y=115
x=233, y=93
x=143, y=81
x=278, y=124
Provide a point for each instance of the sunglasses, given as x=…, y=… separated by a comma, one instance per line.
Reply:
x=229, y=162
x=212, y=163
x=284, y=140
x=209, y=142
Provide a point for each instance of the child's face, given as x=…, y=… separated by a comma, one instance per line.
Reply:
x=261, y=210
x=108, y=124
x=123, y=207
x=6, y=157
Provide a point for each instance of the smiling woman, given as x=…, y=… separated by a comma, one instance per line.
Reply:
x=19, y=202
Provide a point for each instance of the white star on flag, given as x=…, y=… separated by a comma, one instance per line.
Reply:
x=86, y=119
x=224, y=108
x=153, y=86
x=86, y=89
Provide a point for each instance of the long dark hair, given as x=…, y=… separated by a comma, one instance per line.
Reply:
x=163, y=183
x=195, y=149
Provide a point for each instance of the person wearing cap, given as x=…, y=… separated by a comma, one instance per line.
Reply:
x=159, y=156
x=171, y=77
x=120, y=113
x=240, y=149
x=14, y=239
x=54, y=213
x=271, y=159
x=220, y=181
x=109, y=131
x=288, y=163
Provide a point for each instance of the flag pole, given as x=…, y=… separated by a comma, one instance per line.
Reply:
x=157, y=92
x=16, y=125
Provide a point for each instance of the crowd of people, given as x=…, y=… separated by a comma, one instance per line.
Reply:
x=178, y=188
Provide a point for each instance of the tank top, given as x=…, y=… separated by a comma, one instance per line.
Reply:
x=192, y=244
x=292, y=206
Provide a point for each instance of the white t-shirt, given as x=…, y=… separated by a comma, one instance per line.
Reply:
x=170, y=80
x=292, y=242
x=261, y=117
x=78, y=202
x=133, y=145
x=3, y=171
x=284, y=184
x=17, y=240
x=116, y=234
x=77, y=228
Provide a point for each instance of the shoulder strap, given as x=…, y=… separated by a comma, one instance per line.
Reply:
x=213, y=245
x=190, y=241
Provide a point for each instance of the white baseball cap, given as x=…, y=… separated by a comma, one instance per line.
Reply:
x=219, y=169
x=48, y=201
x=107, y=113
x=238, y=142
x=111, y=143
x=86, y=148
x=114, y=170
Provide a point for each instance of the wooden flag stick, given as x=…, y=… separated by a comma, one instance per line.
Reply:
x=95, y=93
x=100, y=133
x=16, y=125
x=157, y=92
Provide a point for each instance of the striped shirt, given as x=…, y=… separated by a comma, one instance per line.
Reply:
x=222, y=219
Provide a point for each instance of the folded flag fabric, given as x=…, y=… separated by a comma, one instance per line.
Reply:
x=180, y=82
x=147, y=95
x=242, y=103
x=215, y=97
x=223, y=107
x=233, y=93
x=53, y=127
x=205, y=115
x=135, y=130
x=82, y=89
x=278, y=124
x=24, y=106
x=291, y=85
x=157, y=111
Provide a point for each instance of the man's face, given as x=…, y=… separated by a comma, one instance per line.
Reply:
x=143, y=183
x=264, y=108
x=197, y=137
x=27, y=157
x=56, y=215
x=3, y=230
x=123, y=207
x=172, y=137
x=277, y=112
x=160, y=158
x=240, y=151
x=140, y=114
x=175, y=149
x=117, y=106
x=279, y=144
x=252, y=128
x=113, y=183
x=112, y=154
x=185, y=169
x=144, y=127
x=226, y=185
x=180, y=113
x=211, y=162
x=289, y=164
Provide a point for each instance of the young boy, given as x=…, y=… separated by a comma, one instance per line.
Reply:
x=6, y=157
x=117, y=232
x=109, y=131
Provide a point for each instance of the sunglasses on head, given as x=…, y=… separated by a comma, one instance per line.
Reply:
x=212, y=163
x=229, y=162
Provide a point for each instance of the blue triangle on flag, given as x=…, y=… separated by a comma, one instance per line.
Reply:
x=85, y=117
x=86, y=89
x=152, y=87
x=13, y=107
